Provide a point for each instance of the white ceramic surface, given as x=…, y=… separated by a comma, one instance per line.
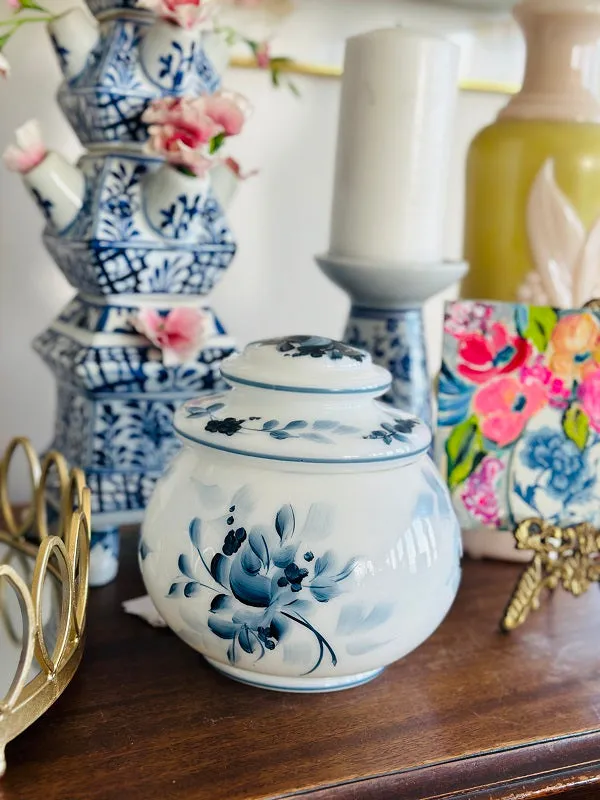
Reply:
x=58, y=188
x=394, y=137
x=169, y=194
x=302, y=540
x=74, y=35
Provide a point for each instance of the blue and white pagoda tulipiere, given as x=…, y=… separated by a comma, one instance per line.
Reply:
x=138, y=227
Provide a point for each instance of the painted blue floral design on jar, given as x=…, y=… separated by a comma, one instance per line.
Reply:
x=264, y=584
x=315, y=347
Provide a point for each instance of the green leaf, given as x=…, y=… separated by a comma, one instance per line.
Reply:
x=465, y=451
x=274, y=76
x=216, y=142
x=539, y=328
x=576, y=426
x=4, y=39
x=33, y=6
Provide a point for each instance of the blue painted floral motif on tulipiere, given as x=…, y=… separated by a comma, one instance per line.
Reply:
x=264, y=583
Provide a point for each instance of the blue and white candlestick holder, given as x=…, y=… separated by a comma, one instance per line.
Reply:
x=386, y=320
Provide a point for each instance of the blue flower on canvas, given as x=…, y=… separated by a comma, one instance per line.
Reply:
x=550, y=451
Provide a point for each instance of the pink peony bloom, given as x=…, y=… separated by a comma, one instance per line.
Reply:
x=505, y=405
x=226, y=111
x=479, y=494
x=589, y=395
x=4, y=66
x=180, y=334
x=482, y=356
x=182, y=129
x=29, y=150
x=188, y=14
x=463, y=318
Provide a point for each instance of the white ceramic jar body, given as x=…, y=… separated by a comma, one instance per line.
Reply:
x=372, y=559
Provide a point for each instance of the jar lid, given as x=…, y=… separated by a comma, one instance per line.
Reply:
x=304, y=398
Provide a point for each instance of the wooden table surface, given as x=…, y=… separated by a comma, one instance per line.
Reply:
x=471, y=714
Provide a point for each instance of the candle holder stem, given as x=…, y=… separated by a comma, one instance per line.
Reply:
x=386, y=320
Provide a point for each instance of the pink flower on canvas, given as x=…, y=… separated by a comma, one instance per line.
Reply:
x=188, y=14
x=29, y=150
x=483, y=356
x=184, y=129
x=479, y=495
x=505, y=405
x=4, y=66
x=589, y=395
x=180, y=334
x=558, y=392
x=463, y=318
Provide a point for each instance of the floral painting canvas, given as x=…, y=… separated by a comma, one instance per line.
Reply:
x=519, y=413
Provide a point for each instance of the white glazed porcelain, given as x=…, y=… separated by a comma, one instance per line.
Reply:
x=74, y=35
x=58, y=188
x=302, y=540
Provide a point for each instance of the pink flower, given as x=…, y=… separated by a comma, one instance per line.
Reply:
x=558, y=392
x=4, y=66
x=14, y=4
x=482, y=356
x=505, y=405
x=479, y=495
x=463, y=318
x=226, y=111
x=180, y=334
x=263, y=55
x=29, y=150
x=187, y=14
x=589, y=395
x=182, y=130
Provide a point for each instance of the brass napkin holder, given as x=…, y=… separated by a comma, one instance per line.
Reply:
x=63, y=552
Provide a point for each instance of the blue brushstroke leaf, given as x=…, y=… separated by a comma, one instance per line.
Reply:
x=176, y=590
x=252, y=590
x=284, y=556
x=316, y=437
x=280, y=435
x=345, y=429
x=325, y=591
x=220, y=602
x=219, y=568
x=185, y=566
x=295, y=425
x=251, y=563
x=192, y=589
x=196, y=532
x=222, y=627
x=285, y=522
x=259, y=546
x=270, y=424
x=247, y=643
x=215, y=407
x=324, y=424
x=323, y=563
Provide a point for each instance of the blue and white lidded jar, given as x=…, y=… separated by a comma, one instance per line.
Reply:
x=302, y=540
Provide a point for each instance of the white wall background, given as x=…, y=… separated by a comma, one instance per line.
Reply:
x=280, y=217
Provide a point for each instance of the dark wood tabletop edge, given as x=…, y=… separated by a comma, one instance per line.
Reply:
x=538, y=769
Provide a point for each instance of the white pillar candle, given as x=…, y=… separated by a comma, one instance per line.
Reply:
x=395, y=130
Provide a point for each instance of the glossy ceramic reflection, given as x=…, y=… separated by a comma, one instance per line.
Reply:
x=302, y=540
